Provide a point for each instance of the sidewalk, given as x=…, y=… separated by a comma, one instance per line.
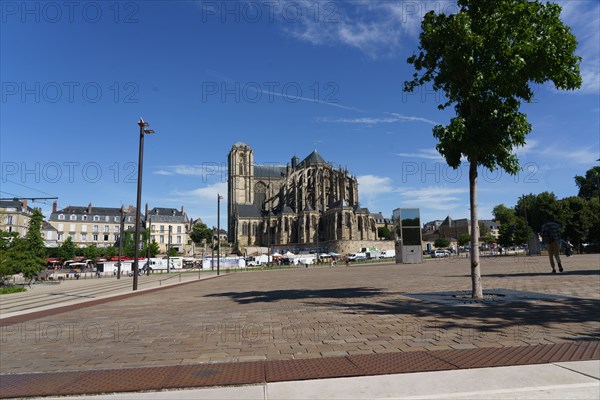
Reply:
x=570, y=380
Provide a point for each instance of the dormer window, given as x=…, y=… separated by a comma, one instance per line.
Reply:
x=61, y=217
x=73, y=217
x=96, y=218
x=84, y=217
x=107, y=219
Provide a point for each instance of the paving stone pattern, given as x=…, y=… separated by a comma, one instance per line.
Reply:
x=311, y=314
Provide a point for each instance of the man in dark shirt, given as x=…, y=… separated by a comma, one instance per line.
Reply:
x=551, y=238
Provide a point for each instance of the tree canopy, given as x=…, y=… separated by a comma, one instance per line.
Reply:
x=485, y=59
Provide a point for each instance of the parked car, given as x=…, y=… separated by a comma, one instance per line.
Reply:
x=440, y=254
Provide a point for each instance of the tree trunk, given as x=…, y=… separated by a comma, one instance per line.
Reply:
x=477, y=290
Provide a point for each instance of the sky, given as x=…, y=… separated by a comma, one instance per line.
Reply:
x=286, y=77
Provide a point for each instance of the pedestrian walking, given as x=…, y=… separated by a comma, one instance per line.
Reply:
x=551, y=238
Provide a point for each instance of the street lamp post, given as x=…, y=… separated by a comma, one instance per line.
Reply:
x=148, y=249
x=121, y=233
x=142, y=124
x=169, y=251
x=219, y=198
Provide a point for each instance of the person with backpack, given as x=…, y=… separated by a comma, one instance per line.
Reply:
x=551, y=238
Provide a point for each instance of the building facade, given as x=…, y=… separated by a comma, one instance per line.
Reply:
x=15, y=216
x=88, y=225
x=300, y=204
x=170, y=227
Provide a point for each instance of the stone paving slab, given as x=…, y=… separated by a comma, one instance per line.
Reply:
x=311, y=314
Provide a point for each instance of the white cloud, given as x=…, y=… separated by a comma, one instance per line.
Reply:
x=205, y=170
x=394, y=117
x=429, y=154
x=370, y=185
x=584, y=18
x=206, y=193
x=375, y=28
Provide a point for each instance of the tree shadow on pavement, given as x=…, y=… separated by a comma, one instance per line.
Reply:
x=524, y=274
x=488, y=317
x=297, y=294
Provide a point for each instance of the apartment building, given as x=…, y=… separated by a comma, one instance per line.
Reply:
x=15, y=216
x=170, y=226
x=89, y=225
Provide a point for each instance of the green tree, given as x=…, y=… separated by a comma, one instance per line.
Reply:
x=25, y=255
x=154, y=248
x=464, y=239
x=441, y=243
x=172, y=252
x=385, y=233
x=594, y=232
x=589, y=185
x=503, y=214
x=514, y=232
x=539, y=208
x=91, y=251
x=485, y=58
x=67, y=249
x=200, y=232
x=129, y=243
x=110, y=252
x=7, y=242
x=578, y=219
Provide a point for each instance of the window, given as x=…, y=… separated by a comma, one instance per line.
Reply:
x=178, y=239
x=116, y=219
x=152, y=238
x=245, y=228
x=106, y=238
x=106, y=219
x=96, y=218
x=84, y=217
x=61, y=217
x=95, y=237
x=153, y=228
x=9, y=220
x=71, y=227
x=162, y=239
x=129, y=219
x=73, y=217
x=59, y=236
x=60, y=227
x=179, y=229
x=116, y=228
x=84, y=237
x=162, y=228
x=106, y=228
x=95, y=229
x=84, y=228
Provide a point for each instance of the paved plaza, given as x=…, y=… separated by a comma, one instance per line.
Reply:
x=316, y=313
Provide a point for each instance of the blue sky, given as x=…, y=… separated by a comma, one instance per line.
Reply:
x=285, y=77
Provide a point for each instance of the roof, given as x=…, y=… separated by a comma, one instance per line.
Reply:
x=14, y=204
x=269, y=171
x=313, y=158
x=162, y=214
x=99, y=211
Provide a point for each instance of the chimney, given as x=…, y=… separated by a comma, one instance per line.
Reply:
x=89, y=210
x=130, y=208
x=54, y=205
x=146, y=213
x=182, y=211
x=24, y=203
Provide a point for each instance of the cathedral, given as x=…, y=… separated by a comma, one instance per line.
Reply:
x=302, y=205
